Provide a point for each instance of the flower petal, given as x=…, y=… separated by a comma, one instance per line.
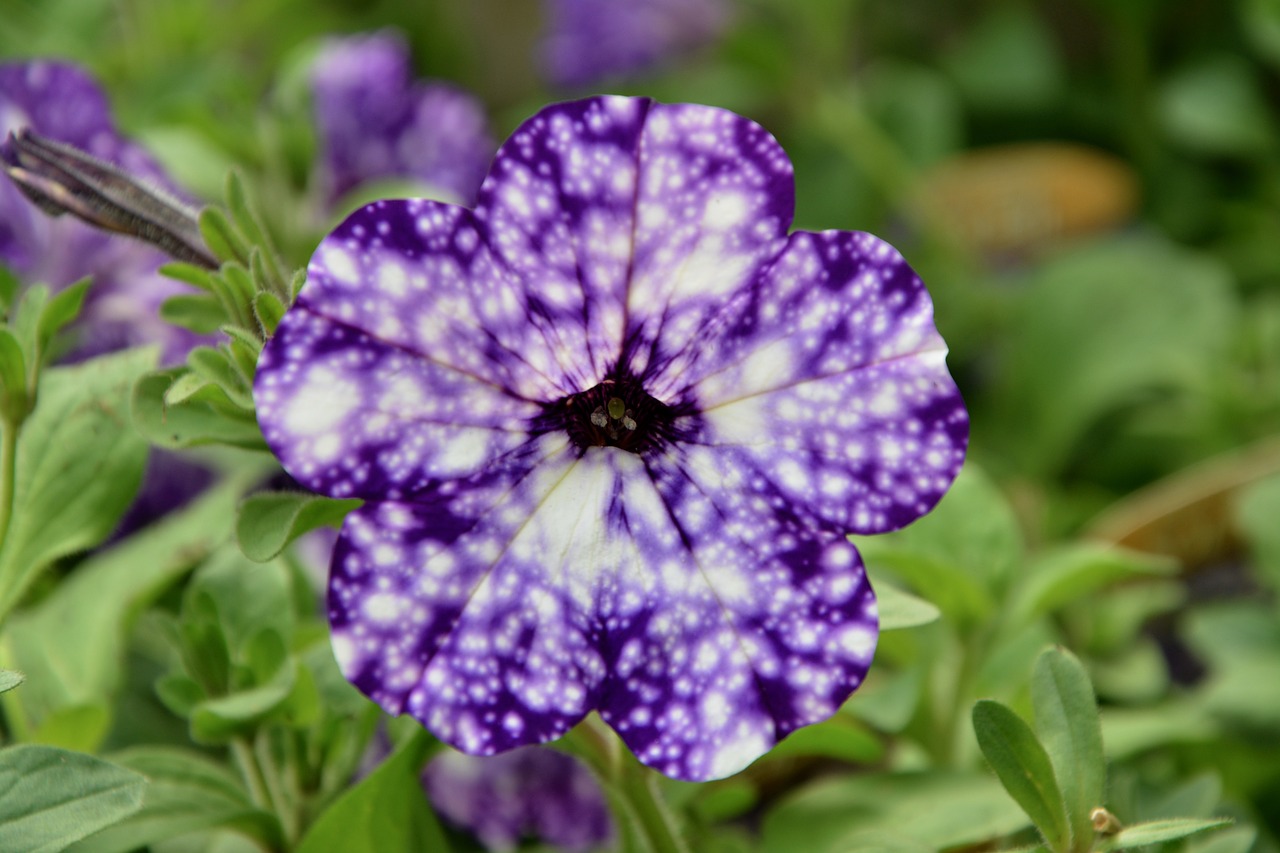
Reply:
x=830, y=387
x=626, y=219
x=462, y=612
x=752, y=624
x=704, y=628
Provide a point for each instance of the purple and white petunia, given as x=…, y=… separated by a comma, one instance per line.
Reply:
x=527, y=792
x=587, y=41
x=611, y=429
x=376, y=122
x=62, y=102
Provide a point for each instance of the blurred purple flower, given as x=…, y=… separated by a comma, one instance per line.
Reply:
x=376, y=122
x=612, y=429
x=62, y=102
x=587, y=41
x=528, y=792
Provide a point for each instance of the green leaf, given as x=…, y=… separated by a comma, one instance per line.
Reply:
x=199, y=312
x=269, y=310
x=103, y=597
x=268, y=521
x=1069, y=364
x=215, y=366
x=938, y=809
x=78, y=466
x=78, y=727
x=60, y=310
x=960, y=556
x=841, y=737
x=1237, y=839
x=190, y=423
x=188, y=274
x=1131, y=731
x=1218, y=107
x=247, y=598
x=900, y=609
x=187, y=792
x=221, y=236
x=9, y=289
x=13, y=379
x=217, y=720
x=52, y=797
x=1074, y=571
x=10, y=679
x=1067, y=722
x=386, y=810
x=1023, y=768
x=1159, y=831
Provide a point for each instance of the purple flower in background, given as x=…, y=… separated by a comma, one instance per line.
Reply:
x=527, y=792
x=612, y=429
x=62, y=102
x=375, y=121
x=590, y=40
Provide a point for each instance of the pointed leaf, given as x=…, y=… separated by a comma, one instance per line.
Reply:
x=269, y=310
x=60, y=310
x=199, y=312
x=268, y=521
x=215, y=366
x=222, y=237
x=51, y=797
x=1066, y=716
x=10, y=679
x=1023, y=768
x=1159, y=831
x=900, y=609
x=387, y=810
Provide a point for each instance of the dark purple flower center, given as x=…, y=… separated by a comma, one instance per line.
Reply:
x=616, y=413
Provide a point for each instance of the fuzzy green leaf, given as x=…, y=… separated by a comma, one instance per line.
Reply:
x=268, y=521
x=199, y=312
x=215, y=365
x=51, y=797
x=10, y=679
x=78, y=466
x=1159, y=831
x=187, y=793
x=1066, y=716
x=1023, y=768
x=221, y=236
x=190, y=423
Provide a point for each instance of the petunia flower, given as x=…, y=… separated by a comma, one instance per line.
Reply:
x=62, y=102
x=529, y=791
x=611, y=429
x=375, y=121
x=587, y=41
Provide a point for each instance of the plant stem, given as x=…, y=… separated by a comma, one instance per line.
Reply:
x=644, y=821
x=8, y=483
x=242, y=754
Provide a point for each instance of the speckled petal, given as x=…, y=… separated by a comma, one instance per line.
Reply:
x=624, y=217
x=402, y=362
x=830, y=386
x=703, y=627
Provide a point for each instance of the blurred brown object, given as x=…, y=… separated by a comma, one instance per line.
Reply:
x=1023, y=196
x=1189, y=515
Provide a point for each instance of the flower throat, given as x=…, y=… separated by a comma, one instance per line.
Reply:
x=615, y=413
